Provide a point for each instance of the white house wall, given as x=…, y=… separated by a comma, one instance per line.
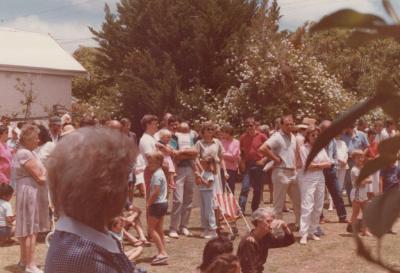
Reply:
x=48, y=90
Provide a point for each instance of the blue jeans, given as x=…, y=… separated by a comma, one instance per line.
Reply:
x=332, y=184
x=254, y=177
x=208, y=221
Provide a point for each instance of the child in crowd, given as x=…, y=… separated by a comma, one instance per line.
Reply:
x=117, y=230
x=6, y=214
x=214, y=248
x=168, y=165
x=133, y=220
x=157, y=205
x=358, y=195
x=184, y=137
x=185, y=140
x=205, y=182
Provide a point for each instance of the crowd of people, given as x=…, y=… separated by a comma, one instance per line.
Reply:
x=87, y=174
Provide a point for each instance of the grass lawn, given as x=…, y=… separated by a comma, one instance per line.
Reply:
x=334, y=253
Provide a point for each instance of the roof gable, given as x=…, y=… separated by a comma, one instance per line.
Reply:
x=34, y=52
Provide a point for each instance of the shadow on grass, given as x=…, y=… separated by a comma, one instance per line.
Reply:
x=146, y=260
x=346, y=235
x=12, y=268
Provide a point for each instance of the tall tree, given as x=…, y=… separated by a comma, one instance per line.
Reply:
x=156, y=50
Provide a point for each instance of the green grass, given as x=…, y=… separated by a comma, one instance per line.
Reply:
x=335, y=253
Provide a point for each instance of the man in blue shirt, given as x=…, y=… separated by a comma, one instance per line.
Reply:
x=355, y=140
x=331, y=179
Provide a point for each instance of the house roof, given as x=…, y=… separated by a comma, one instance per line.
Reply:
x=22, y=51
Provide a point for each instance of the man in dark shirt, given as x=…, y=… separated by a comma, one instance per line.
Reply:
x=253, y=176
x=253, y=248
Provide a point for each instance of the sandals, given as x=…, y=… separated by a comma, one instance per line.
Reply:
x=138, y=243
x=146, y=243
x=160, y=260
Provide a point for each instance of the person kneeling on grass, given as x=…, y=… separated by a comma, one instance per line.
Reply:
x=157, y=205
x=253, y=248
x=6, y=214
x=116, y=229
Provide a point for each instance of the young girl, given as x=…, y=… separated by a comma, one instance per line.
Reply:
x=168, y=164
x=358, y=195
x=157, y=205
x=6, y=214
x=116, y=229
x=205, y=182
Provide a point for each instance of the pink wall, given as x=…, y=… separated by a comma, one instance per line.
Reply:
x=48, y=89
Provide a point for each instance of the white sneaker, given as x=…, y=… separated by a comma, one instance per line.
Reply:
x=303, y=240
x=213, y=234
x=33, y=269
x=314, y=237
x=173, y=234
x=186, y=232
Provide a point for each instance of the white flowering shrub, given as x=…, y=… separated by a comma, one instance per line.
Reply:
x=271, y=77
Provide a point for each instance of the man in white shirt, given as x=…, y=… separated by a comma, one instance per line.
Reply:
x=147, y=143
x=281, y=147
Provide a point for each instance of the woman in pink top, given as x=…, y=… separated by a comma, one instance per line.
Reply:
x=5, y=156
x=231, y=155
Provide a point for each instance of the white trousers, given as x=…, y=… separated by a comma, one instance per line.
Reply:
x=285, y=182
x=312, y=200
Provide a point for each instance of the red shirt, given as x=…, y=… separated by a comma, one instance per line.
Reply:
x=249, y=146
x=372, y=150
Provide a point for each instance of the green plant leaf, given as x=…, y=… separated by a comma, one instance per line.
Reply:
x=389, y=146
x=391, y=11
x=348, y=18
x=375, y=165
x=382, y=212
x=341, y=123
x=391, y=98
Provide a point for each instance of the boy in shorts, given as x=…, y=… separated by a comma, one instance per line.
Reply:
x=157, y=205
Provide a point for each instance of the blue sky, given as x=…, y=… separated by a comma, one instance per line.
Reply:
x=68, y=20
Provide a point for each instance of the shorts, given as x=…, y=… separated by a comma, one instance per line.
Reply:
x=5, y=233
x=158, y=210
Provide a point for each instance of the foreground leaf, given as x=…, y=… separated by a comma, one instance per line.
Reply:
x=341, y=123
x=382, y=212
x=391, y=11
x=348, y=18
x=387, y=90
x=389, y=146
x=372, y=166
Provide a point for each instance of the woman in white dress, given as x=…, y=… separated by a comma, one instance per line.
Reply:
x=312, y=187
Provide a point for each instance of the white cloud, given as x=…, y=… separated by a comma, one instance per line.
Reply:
x=295, y=13
x=91, y=5
x=68, y=34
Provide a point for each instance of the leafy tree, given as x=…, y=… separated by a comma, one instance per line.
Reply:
x=275, y=75
x=157, y=51
x=359, y=68
x=383, y=210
